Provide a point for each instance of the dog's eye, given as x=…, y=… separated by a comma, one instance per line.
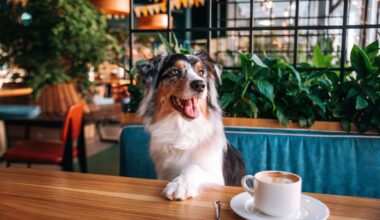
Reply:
x=174, y=73
x=202, y=72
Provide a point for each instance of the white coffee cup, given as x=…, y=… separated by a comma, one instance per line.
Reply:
x=275, y=193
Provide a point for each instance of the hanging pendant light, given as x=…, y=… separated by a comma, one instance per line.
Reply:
x=113, y=7
x=158, y=21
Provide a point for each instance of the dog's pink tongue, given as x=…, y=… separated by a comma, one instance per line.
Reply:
x=190, y=108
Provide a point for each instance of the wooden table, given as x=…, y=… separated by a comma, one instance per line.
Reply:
x=15, y=92
x=42, y=194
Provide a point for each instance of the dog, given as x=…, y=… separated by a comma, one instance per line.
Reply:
x=181, y=112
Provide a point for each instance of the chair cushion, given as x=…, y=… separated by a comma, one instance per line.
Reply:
x=19, y=111
x=35, y=151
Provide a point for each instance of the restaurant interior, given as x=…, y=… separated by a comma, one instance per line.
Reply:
x=292, y=87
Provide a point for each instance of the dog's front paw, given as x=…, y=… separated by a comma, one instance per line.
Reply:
x=178, y=189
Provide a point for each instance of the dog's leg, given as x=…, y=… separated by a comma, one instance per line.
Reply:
x=187, y=184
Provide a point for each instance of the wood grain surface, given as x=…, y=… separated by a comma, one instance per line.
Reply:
x=15, y=92
x=43, y=194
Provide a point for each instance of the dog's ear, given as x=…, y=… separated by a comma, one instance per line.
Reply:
x=212, y=66
x=148, y=70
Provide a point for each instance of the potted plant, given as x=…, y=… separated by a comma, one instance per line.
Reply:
x=268, y=89
x=271, y=88
x=56, y=43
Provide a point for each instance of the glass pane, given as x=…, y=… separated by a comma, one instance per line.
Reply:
x=225, y=47
x=195, y=40
x=322, y=12
x=146, y=45
x=364, y=12
x=238, y=14
x=274, y=13
x=274, y=44
x=329, y=42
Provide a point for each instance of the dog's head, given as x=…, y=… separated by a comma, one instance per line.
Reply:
x=182, y=84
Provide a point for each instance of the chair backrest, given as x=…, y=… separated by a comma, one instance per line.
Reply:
x=328, y=162
x=75, y=116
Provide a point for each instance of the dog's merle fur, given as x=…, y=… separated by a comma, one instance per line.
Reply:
x=188, y=152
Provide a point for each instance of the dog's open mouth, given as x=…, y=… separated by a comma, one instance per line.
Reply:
x=188, y=107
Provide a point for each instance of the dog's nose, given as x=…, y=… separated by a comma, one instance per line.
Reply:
x=198, y=85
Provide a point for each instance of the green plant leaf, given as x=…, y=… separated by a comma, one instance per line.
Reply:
x=333, y=77
x=281, y=117
x=231, y=76
x=246, y=65
x=226, y=100
x=372, y=49
x=317, y=56
x=253, y=108
x=302, y=122
x=338, y=111
x=375, y=119
x=320, y=59
x=346, y=124
x=176, y=45
x=370, y=92
x=361, y=62
x=361, y=103
x=186, y=50
x=168, y=47
x=258, y=61
x=248, y=112
x=352, y=92
x=246, y=85
x=265, y=88
x=317, y=101
x=376, y=61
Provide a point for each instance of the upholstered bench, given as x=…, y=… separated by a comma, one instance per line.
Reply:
x=329, y=162
x=9, y=112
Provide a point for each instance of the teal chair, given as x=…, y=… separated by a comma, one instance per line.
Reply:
x=328, y=162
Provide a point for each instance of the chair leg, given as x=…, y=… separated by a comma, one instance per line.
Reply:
x=8, y=164
x=29, y=165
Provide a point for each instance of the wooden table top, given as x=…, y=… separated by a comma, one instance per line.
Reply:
x=15, y=92
x=43, y=194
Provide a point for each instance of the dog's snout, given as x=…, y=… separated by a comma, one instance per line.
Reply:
x=198, y=85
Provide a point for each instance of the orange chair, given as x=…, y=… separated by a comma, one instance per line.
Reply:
x=43, y=152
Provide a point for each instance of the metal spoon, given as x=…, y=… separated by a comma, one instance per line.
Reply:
x=217, y=205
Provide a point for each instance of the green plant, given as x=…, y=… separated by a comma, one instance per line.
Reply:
x=321, y=59
x=357, y=99
x=269, y=88
x=175, y=47
x=272, y=88
x=62, y=40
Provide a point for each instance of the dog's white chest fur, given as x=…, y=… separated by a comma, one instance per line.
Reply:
x=191, y=149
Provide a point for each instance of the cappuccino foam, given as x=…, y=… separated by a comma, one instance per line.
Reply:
x=278, y=177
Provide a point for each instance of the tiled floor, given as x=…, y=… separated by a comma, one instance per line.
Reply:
x=93, y=144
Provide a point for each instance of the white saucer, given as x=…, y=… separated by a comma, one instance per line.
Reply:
x=311, y=209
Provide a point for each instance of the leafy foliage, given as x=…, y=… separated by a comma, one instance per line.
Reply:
x=357, y=99
x=60, y=43
x=272, y=88
x=175, y=47
x=320, y=59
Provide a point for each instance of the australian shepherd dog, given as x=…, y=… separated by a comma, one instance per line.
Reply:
x=181, y=112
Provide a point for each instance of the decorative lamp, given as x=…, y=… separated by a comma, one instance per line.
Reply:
x=114, y=7
x=158, y=21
